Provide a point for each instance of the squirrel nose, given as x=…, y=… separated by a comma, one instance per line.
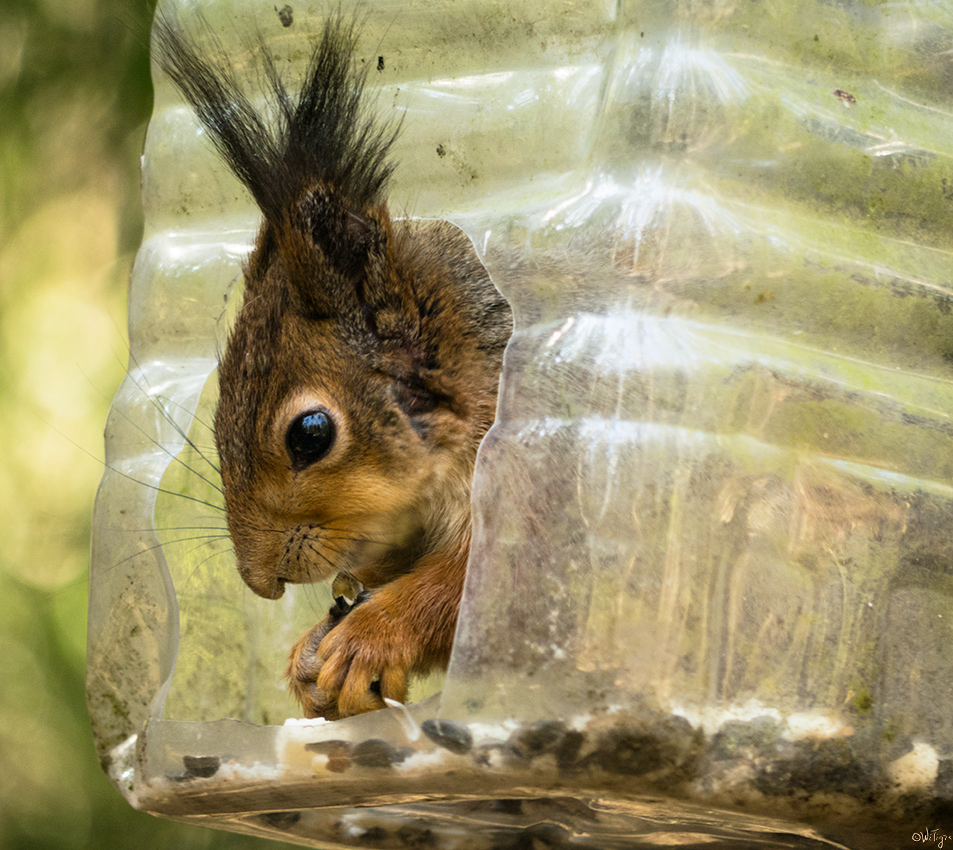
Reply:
x=278, y=587
x=270, y=588
x=266, y=586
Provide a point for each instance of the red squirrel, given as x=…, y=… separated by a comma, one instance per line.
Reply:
x=358, y=379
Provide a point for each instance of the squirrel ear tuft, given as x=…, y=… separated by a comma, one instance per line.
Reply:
x=321, y=133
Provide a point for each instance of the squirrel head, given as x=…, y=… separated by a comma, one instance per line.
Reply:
x=360, y=374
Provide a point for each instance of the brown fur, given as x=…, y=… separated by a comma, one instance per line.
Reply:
x=391, y=328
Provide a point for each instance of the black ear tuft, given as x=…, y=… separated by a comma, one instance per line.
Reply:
x=235, y=127
x=320, y=135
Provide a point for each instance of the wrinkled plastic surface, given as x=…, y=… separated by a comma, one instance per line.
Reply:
x=712, y=522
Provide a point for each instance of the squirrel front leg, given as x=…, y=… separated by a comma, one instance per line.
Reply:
x=404, y=627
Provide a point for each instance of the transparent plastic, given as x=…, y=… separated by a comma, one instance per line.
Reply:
x=710, y=595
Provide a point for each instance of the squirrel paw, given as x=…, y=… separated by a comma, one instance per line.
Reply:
x=351, y=660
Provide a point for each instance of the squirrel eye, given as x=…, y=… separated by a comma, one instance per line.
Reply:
x=309, y=438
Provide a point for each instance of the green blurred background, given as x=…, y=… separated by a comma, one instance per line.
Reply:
x=75, y=96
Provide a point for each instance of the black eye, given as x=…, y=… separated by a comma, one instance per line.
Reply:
x=309, y=438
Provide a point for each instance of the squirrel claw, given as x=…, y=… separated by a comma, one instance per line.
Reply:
x=346, y=665
x=366, y=658
x=328, y=683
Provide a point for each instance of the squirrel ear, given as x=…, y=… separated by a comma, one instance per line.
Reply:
x=347, y=240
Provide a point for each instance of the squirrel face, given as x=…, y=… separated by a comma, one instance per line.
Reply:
x=348, y=438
